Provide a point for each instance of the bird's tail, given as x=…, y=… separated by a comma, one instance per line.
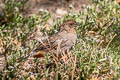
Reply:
x=35, y=54
x=39, y=54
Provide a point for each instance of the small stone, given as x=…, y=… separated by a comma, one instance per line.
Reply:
x=61, y=11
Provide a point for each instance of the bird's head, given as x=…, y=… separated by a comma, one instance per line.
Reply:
x=69, y=24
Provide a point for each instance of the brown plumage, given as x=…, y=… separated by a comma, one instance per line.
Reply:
x=60, y=42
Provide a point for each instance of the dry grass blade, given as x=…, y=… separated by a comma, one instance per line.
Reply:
x=2, y=57
x=73, y=71
x=54, y=58
x=2, y=62
x=108, y=44
x=49, y=50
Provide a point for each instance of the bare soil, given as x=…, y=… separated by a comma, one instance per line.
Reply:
x=33, y=6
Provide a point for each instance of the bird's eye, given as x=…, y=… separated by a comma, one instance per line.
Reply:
x=71, y=24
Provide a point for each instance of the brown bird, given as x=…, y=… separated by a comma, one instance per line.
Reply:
x=60, y=42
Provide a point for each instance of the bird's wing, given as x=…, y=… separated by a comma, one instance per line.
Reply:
x=52, y=42
x=58, y=39
x=47, y=45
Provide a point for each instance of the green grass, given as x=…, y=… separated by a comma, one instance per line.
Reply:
x=95, y=56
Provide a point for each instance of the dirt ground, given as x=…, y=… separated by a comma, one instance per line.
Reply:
x=56, y=7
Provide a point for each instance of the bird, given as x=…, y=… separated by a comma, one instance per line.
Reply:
x=60, y=42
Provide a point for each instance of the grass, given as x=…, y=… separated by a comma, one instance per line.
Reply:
x=96, y=55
